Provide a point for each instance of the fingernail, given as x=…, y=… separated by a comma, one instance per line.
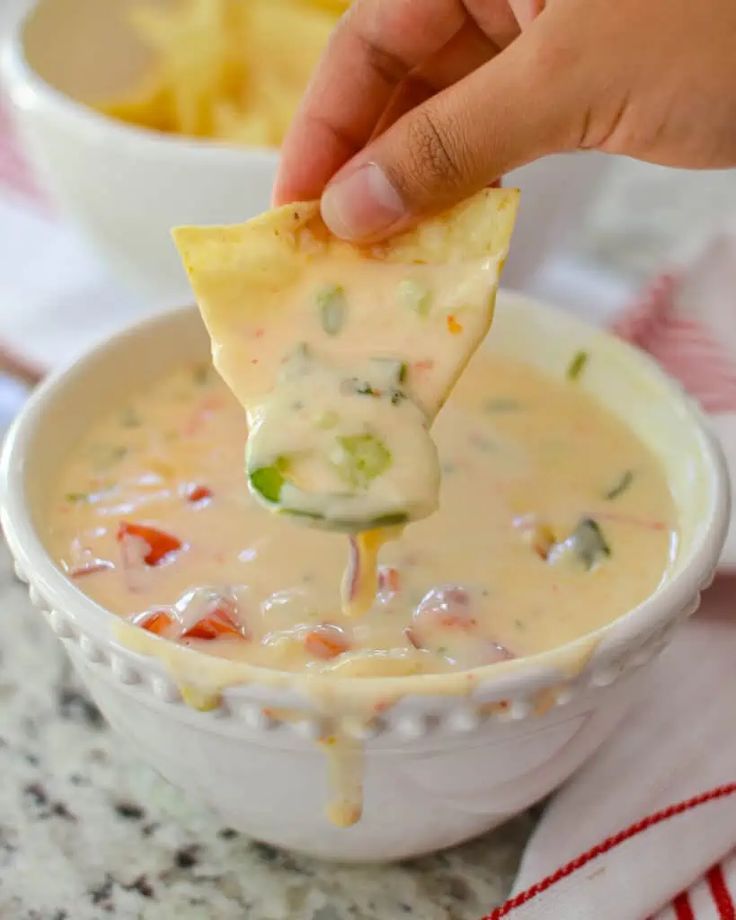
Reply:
x=362, y=204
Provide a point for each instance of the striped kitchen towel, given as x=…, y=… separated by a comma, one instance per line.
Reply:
x=686, y=320
x=673, y=324
x=15, y=175
x=647, y=828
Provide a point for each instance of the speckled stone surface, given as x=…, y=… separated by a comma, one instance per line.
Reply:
x=87, y=831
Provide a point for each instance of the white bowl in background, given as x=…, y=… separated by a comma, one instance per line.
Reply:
x=126, y=187
x=440, y=766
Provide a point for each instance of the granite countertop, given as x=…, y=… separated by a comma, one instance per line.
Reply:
x=87, y=831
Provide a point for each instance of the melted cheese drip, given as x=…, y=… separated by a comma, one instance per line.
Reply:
x=345, y=760
x=360, y=581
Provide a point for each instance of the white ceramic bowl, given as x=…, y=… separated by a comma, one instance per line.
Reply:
x=444, y=762
x=125, y=187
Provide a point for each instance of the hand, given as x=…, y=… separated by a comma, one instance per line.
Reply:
x=419, y=103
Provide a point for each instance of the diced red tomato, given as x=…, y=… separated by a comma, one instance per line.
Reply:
x=458, y=597
x=199, y=494
x=389, y=579
x=219, y=623
x=156, y=621
x=160, y=543
x=326, y=642
x=448, y=606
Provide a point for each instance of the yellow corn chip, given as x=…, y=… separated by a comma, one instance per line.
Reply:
x=147, y=106
x=433, y=290
x=197, y=58
x=342, y=356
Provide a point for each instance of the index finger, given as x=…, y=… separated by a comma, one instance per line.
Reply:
x=376, y=44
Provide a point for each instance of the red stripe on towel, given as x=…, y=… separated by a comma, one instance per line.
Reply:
x=609, y=843
x=684, y=347
x=682, y=908
x=720, y=893
x=15, y=173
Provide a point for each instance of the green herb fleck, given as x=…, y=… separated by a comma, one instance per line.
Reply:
x=129, y=418
x=364, y=458
x=300, y=353
x=106, y=455
x=390, y=370
x=576, y=367
x=268, y=481
x=621, y=486
x=414, y=296
x=502, y=404
x=201, y=374
x=77, y=497
x=389, y=520
x=361, y=387
x=327, y=419
x=296, y=363
x=442, y=650
x=397, y=396
x=588, y=543
x=365, y=389
x=332, y=308
x=299, y=512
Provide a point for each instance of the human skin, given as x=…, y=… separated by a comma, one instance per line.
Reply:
x=417, y=104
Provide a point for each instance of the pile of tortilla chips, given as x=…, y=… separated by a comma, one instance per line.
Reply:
x=228, y=69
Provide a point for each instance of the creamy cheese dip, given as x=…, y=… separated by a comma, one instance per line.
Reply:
x=554, y=519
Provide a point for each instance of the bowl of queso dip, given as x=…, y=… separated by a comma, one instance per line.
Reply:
x=582, y=508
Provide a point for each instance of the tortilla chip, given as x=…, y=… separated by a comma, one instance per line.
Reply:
x=248, y=282
x=145, y=107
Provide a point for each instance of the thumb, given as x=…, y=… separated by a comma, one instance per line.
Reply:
x=519, y=106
